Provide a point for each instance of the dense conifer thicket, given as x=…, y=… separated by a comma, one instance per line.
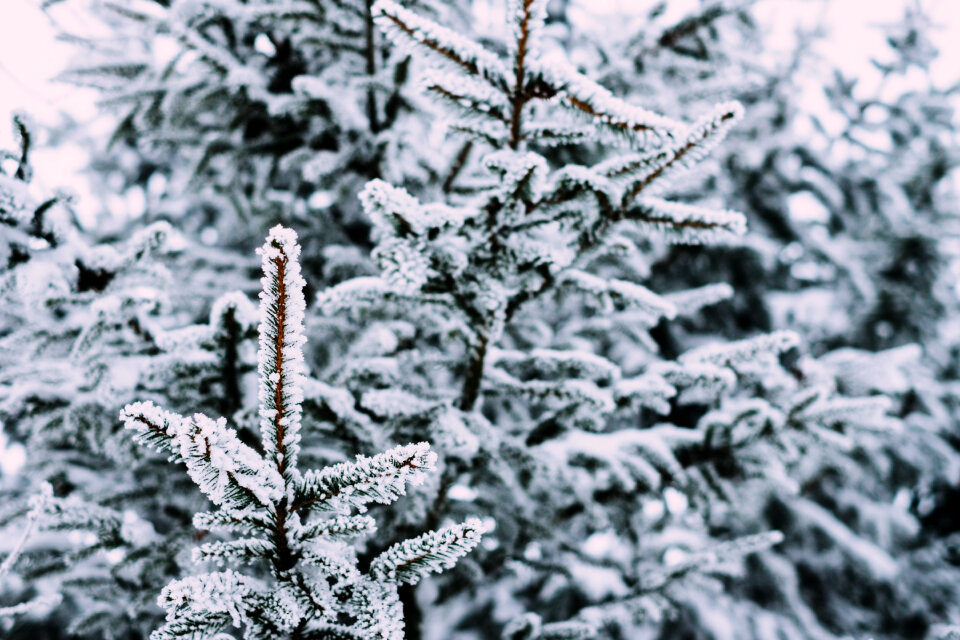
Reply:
x=565, y=330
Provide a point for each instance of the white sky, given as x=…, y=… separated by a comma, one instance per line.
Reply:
x=30, y=57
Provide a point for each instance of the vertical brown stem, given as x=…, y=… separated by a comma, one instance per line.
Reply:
x=458, y=163
x=412, y=616
x=25, y=138
x=370, y=50
x=519, y=99
x=229, y=373
x=278, y=414
x=285, y=559
x=474, y=376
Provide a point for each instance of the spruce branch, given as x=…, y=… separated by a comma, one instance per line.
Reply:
x=445, y=45
x=380, y=479
x=685, y=224
x=523, y=199
x=315, y=587
x=409, y=561
x=38, y=508
x=281, y=340
x=531, y=79
x=643, y=171
x=229, y=472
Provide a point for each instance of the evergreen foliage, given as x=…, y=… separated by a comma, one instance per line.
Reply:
x=37, y=507
x=591, y=416
x=834, y=196
x=663, y=426
x=87, y=328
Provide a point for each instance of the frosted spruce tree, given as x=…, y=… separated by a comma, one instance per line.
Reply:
x=316, y=589
x=135, y=519
x=89, y=324
x=681, y=62
x=235, y=115
x=843, y=207
x=510, y=328
x=866, y=215
x=834, y=195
